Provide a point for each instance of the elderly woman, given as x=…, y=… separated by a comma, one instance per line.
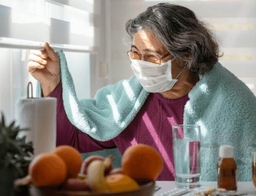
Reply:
x=177, y=80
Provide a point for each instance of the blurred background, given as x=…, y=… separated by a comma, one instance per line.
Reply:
x=91, y=33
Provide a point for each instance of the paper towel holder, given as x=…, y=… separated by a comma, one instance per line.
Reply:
x=30, y=90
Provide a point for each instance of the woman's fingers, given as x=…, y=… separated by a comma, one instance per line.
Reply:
x=50, y=52
x=32, y=66
x=38, y=59
x=40, y=53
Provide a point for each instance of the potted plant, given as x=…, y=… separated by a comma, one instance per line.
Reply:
x=15, y=156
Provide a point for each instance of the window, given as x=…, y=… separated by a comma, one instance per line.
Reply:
x=27, y=24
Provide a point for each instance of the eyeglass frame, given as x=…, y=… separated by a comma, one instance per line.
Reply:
x=140, y=55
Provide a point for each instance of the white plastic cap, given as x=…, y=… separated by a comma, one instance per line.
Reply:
x=226, y=151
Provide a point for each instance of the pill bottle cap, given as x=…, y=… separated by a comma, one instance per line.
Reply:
x=226, y=151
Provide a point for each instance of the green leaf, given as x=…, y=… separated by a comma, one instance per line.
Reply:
x=2, y=120
x=15, y=152
x=18, y=169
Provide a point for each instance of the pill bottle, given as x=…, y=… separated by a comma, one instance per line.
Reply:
x=227, y=170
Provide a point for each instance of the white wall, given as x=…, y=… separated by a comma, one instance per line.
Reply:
x=233, y=21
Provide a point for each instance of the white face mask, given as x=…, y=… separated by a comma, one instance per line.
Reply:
x=154, y=77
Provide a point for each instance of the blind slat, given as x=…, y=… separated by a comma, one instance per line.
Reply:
x=39, y=46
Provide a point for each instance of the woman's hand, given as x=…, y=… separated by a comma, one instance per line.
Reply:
x=44, y=66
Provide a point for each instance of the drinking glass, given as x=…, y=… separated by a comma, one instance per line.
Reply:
x=254, y=168
x=186, y=148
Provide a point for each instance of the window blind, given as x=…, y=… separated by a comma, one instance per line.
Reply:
x=69, y=25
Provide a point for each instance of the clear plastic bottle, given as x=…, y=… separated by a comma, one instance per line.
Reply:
x=227, y=170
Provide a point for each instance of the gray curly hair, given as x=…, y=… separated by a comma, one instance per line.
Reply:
x=182, y=34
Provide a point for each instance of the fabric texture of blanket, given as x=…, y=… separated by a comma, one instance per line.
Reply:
x=223, y=106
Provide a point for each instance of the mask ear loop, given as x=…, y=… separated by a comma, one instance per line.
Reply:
x=169, y=71
x=181, y=72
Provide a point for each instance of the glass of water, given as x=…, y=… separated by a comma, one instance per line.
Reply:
x=186, y=148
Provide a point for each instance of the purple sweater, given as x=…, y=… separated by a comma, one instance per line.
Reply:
x=152, y=126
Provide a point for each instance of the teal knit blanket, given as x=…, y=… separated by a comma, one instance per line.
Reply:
x=220, y=103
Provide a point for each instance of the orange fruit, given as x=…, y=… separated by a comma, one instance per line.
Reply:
x=47, y=169
x=142, y=162
x=71, y=157
x=121, y=183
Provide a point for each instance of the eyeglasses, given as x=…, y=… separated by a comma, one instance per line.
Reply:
x=150, y=57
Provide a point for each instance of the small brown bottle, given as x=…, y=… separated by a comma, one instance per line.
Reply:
x=227, y=177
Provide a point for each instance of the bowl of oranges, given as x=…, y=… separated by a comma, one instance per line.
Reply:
x=62, y=172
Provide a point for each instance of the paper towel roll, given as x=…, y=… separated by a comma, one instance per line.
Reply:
x=39, y=116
